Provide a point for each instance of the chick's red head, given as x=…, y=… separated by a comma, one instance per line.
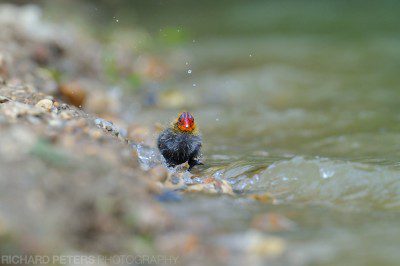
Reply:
x=185, y=122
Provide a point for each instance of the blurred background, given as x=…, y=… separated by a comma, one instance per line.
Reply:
x=297, y=77
x=297, y=99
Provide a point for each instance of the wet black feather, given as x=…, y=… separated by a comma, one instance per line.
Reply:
x=179, y=147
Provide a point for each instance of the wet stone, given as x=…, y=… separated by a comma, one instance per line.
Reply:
x=175, y=180
x=109, y=126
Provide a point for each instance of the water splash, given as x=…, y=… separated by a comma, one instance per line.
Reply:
x=247, y=183
x=148, y=157
x=326, y=172
x=241, y=176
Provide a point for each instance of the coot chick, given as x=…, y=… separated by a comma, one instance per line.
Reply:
x=181, y=142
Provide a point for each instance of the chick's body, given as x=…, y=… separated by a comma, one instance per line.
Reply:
x=179, y=145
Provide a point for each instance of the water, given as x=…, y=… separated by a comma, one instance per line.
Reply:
x=299, y=100
x=148, y=157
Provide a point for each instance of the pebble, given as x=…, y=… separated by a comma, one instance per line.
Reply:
x=4, y=99
x=17, y=109
x=212, y=187
x=66, y=115
x=104, y=124
x=174, y=182
x=169, y=196
x=256, y=244
x=45, y=104
x=73, y=93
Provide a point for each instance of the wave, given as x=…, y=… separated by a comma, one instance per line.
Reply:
x=324, y=181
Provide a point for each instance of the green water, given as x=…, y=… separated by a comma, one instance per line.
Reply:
x=298, y=99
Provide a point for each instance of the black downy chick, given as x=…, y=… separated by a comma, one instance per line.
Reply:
x=181, y=142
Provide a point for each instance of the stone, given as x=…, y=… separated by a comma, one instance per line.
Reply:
x=45, y=104
x=73, y=93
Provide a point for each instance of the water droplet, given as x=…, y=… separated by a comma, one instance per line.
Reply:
x=219, y=174
x=194, y=85
x=189, y=71
x=326, y=173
